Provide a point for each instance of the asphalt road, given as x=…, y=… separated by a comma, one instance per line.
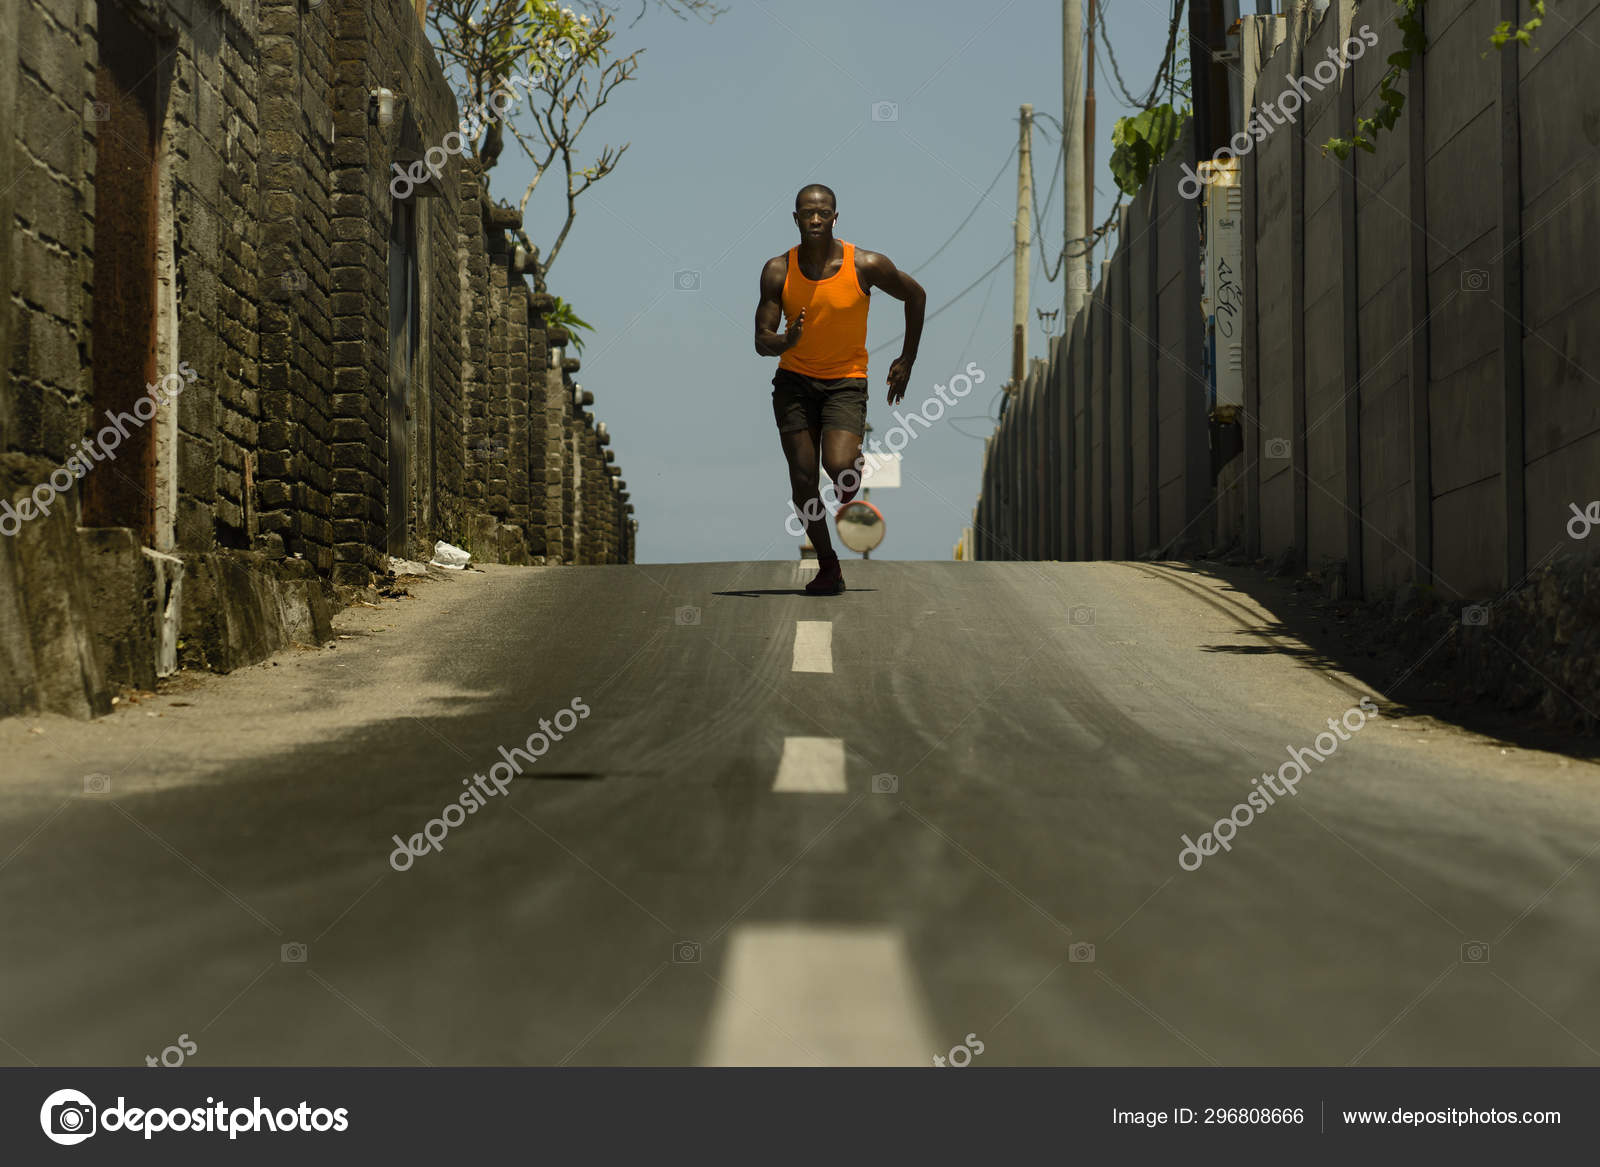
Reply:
x=793, y=830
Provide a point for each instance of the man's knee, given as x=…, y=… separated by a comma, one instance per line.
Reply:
x=846, y=476
x=803, y=485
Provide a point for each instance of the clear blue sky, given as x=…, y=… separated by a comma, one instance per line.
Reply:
x=725, y=122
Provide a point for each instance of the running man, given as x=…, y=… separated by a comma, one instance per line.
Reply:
x=819, y=393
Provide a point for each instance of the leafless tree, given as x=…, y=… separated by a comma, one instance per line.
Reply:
x=559, y=65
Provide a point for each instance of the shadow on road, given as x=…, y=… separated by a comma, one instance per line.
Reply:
x=1304, y=628
x=784, y=592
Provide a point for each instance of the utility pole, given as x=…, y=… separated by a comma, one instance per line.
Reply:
x=1221, y=87
x=1022, y=230
x=1088, y=126
x=1076, y=265
x=1208, y=78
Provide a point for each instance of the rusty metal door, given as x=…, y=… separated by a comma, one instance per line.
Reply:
x=403, y=336
x=120, y=492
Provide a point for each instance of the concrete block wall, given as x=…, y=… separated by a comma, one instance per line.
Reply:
x=1275, y=192
x=1143, y=353
x=1120, y=341
x=1558, y=317
x=1039, y=464
x=1385, y=328
x=1420, y=330
x=1321, y=355
x=244, y=217
x=1097, y=468
x=1077, y=380
x=1461, y=157
x=1102, y=452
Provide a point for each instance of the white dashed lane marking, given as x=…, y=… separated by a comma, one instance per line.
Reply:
x=807, y=994
x=811, y=765
x=813, y=646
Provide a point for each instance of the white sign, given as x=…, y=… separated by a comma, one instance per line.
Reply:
x=1223, y=293
x=882, y=471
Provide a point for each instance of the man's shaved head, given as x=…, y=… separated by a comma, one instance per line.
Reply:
x=814, y=189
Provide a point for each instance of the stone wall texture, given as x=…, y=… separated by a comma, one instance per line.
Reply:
x=205, y=184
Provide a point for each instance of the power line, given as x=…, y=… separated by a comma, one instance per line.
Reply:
x=984, y=307
x=970, y=213
x=1039, y=212
x=953, y=299
x=1105, y=40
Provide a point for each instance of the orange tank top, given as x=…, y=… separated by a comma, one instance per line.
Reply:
x=833, y=341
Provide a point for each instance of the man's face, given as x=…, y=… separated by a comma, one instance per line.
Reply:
x=814, y=215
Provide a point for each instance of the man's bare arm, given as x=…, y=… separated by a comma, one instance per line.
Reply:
x=882, y=273
x=769, y=312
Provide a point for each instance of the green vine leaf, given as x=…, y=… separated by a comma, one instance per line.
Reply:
x=561, y=313
x=1393, y=101
x=1139, y=142
x=1505, y=32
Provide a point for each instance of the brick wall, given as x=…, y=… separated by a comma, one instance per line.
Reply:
x=312, y=443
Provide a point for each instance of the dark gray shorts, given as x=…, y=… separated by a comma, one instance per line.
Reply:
x=806, y=403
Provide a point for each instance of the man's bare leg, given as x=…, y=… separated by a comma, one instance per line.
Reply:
x=841, y=457
x=801, y=449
